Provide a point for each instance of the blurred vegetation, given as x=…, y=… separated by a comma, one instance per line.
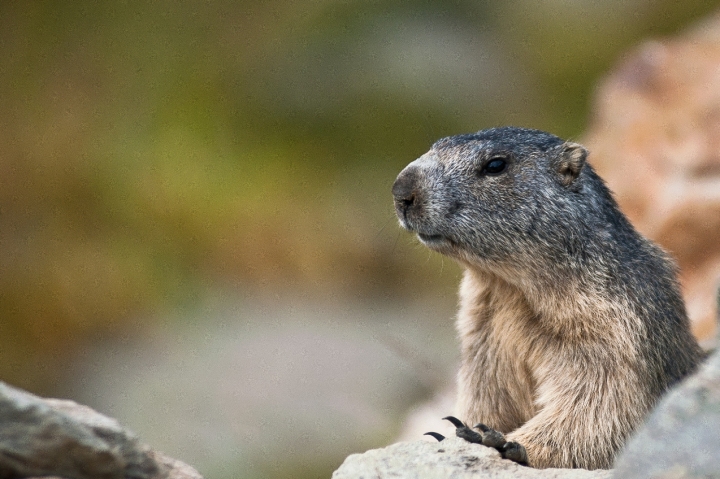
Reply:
x=154, y=152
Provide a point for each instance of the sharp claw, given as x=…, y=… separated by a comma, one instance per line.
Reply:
x=489, y=437
x=464, y=432
x=456, y=422
x=436, y=435
x=482, y=427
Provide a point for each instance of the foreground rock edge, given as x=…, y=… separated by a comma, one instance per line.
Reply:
x=51, y=437
x=452, y=457
x=680, y=438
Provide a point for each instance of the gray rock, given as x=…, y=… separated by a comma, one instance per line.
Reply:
x=51, y=437
x=452, y=458
x=172, y=468
x=681, y=438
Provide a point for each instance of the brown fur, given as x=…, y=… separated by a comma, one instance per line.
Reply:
x=570, y=393
x=571, y=324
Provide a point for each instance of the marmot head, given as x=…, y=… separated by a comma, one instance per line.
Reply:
x=499, y=193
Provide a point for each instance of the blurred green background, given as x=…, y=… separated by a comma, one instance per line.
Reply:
x=166, y=164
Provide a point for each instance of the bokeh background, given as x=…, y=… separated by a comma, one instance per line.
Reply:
x=196, y=230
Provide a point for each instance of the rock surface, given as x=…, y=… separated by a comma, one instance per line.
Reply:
x=51, y=437
x=654, y=136
x=682, y=436
x=681, y=440
x=451, y=458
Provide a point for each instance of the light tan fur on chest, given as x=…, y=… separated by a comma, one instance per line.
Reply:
x=521, y=371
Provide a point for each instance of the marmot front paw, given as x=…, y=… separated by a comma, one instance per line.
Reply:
x=487, y=437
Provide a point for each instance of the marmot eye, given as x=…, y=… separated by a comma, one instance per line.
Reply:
x=495, y=166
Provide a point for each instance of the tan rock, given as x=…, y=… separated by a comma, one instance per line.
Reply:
x=655, y=138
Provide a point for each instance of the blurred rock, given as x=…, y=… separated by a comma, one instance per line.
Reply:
x=45, y=437
x=453, y=457
x=173, y=468
x=680, y=439
x=655, y=138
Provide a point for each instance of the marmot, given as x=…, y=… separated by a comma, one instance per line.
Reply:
x=571, y=323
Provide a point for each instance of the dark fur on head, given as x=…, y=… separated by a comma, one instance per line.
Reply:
x=546, y=201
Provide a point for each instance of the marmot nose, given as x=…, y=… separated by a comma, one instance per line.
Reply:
x=404, y=190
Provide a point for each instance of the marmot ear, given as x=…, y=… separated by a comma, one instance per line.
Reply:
x=570, y=161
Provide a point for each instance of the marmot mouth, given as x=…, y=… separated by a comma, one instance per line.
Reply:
x=425, y=237
x=431, y=240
